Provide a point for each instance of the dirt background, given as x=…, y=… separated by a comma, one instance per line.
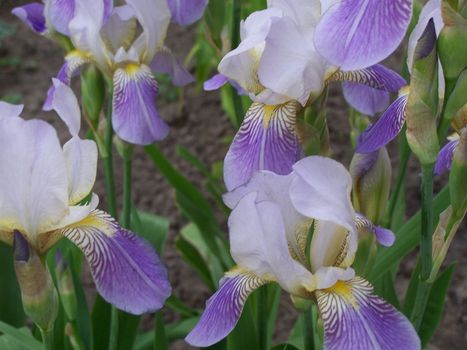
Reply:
x=201, y=127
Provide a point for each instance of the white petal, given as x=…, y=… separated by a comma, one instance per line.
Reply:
x=154, y=17
x=81, y=161
x=305, y=13
x=258, y=243
x=9, y=110
x=241, y=63
x=326, y=277
x=33, y=180
x=290, y=65
x=120, y=29
x=66, y=105
x=322, y=191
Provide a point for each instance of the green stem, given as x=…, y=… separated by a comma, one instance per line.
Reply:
x=421, y=299
x=107, y=160
x=309, y=331
x=404, y=159
x=262, y=317
x=427, y=222
x=127, y=169
x=113, y=339
x=48, y=339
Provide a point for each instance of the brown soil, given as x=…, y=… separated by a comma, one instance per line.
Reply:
x=201, y=127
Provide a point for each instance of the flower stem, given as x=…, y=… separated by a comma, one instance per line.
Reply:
x=309, y=331
x=427, y=221
x=127, y=170
x=48, y=338
x=107, y=160
x=262, y=318
x=113, y=339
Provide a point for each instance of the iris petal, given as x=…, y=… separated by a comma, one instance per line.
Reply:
x=444, y=160
x=186, y=12
x=33, y=15
x=355, y=34
x=135, y=117
x=224, y=308
x=386, y=128
x=266, y=140
x=126, y=270
x=355, y=318
x=364, y=99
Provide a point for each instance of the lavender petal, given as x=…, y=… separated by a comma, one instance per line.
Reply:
x=266, y=140
x=444, y=160
x=186, y=12
x=224, y=308
x=126, y=270
x=165, y=62
x=354, y=34
x=385, y=129
x=364, y=99
x=33, y=15
x=135, y=117
x=215, y=82
x=355, y=318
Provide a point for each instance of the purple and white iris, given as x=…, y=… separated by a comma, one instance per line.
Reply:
x=288, y=53
x=109, y=37
x=271, y=222
x=392, y=120
x=41, y=197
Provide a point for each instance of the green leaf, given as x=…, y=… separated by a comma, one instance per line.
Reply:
x=160, y=339
x=21, y=337
x=410, y=295
x=458, y=97
x=435, y=306
x=180, y=307
x=385, y=287
x=151, y=227
x=407, y=238
x=284, y=347
x=11, y=307
x=244, y=336
x=193, y=204
x=191, y=255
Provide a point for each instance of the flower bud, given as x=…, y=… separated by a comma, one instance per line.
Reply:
x=93, y=93
x=371, y=175
x=458, y=176
x=66, y=287
x=451, y=43
x=40, y=301
x=422, y=103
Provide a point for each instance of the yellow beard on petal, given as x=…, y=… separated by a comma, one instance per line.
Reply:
x=343, y=289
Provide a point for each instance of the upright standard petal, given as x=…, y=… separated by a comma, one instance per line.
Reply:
x=126, y=269
x=81, y=163
x=59, y=14
x=165, y=62
x=386, y=128
x=364, y=99
x=267, y=140
x=135, y=117
x=258, y=243
x=355, y=318
x=444, y=160
x=8, y=110
x=33, y=15
x=354, y=34
x=289, y=65
x=322, y=191
x=34, y=191
x=224, y=308
x=186, y=12
x=154, y=17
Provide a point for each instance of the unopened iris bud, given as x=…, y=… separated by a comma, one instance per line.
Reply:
x=66, y=287
x=451, y=43
x=458, y=177
x=93, y=93
x=371, y=176
x=422, y=103
x=38, y=293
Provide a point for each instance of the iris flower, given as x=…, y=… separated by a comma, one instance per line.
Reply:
x=391, y=122
x=273, y=220
x=43, y=187
x=109, y=37
x=287, y=55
